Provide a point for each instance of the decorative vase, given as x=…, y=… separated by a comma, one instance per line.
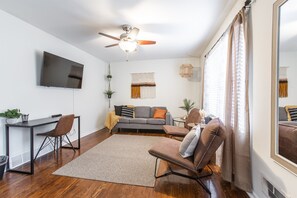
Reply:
x=109, y=96
x=25, y=117
x=11, y=120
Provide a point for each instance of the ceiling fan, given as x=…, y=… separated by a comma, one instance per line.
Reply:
x=128, y=40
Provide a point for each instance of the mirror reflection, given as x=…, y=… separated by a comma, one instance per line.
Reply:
x=287, y=82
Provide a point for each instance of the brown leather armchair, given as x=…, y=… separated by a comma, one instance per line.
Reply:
x=193, y=117
x=210, y=139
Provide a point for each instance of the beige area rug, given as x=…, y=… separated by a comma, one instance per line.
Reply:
x=120, y=159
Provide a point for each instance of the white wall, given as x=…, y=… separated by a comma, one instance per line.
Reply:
x=262, y=164
x=171, y=88
x=21, y=52
x=289, y=59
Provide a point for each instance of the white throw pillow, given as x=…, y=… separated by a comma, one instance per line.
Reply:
x=189, y=143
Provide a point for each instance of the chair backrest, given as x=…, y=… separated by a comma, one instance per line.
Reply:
x=212, y=136
x=193, y=117
x=64, y=125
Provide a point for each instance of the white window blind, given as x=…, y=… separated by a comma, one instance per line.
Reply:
x=215, y=79
x=238, y=113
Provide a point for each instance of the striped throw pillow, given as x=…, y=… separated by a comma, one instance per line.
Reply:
x=127, y=112
x=293, y=113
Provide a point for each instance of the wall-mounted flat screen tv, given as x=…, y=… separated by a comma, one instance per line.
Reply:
x=61, y=72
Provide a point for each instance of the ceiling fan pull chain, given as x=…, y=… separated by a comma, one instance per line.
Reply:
x=127, y=56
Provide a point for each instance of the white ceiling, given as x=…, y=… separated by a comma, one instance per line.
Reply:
x=288, y=26
x=181, y=28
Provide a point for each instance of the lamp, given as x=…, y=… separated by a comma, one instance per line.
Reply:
x=186, y=70
x=128, y=45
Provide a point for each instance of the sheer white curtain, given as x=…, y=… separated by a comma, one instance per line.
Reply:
x=215, y=79
x=236, y=166
x=226, y=96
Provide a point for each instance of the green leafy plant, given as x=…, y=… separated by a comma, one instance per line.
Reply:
x=109, y=93
x=11, y=113
x=188, y=105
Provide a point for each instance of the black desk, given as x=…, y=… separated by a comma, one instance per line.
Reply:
x=31, y=124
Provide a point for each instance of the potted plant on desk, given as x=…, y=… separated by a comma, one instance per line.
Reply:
x=11, y=115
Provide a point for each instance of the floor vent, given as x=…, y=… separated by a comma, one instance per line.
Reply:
x=271, y=191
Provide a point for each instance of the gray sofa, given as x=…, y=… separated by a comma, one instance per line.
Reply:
x=143, y=119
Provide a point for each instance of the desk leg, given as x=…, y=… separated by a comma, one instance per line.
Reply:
x=7, y=146
x=32, y=150
x=78, y=126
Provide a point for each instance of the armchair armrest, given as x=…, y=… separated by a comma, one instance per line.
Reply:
x=169, y=119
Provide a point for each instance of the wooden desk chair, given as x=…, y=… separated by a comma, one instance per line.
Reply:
x=63, y=127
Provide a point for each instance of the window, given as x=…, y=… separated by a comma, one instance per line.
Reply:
x=215, y=79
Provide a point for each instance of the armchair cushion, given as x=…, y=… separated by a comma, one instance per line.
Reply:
x=168, y=149
x=189, y=143
x=210, y=139
x=175, y=130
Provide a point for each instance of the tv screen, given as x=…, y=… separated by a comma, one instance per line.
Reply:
x=61, y=72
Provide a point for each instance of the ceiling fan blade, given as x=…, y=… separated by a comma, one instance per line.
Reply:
x=134, y=32
x=109, y=36
x=112, y=45
x=145, y=42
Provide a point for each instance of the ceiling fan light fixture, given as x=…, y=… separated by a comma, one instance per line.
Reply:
x=128, y=46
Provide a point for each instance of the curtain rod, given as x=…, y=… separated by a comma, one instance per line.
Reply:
x=247, y=4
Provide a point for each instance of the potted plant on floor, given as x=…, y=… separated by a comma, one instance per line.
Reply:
x=11, y=115
x=188, y=105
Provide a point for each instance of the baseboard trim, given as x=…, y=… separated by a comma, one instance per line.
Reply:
x=252, y=195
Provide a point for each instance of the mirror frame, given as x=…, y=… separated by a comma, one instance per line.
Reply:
x=274, y=90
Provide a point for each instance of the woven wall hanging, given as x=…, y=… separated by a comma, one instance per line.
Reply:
x=143, y=85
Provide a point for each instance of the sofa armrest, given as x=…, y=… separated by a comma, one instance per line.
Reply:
x=169, y=119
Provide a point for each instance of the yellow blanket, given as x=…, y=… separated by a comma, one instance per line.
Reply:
x=111, y=120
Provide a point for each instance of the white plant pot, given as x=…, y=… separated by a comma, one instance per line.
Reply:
x=11, y=120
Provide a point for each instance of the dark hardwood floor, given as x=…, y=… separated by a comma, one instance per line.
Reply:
x=44, y=184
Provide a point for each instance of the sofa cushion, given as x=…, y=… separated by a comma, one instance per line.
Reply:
x=127, y=112
x=282, y=114
x=153, y=110
x=124, y=120
x=156, y=121
x=138, y=120
x=142, y=112
x=160, y=113
x=292, y=113
x=118, y=110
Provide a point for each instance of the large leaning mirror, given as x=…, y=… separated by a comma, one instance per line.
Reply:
x=284, y=84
